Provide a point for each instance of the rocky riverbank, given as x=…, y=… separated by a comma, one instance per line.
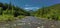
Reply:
x=31, y=22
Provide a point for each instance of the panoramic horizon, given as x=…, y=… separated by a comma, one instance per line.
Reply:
x=31, y=4
x=29, y=13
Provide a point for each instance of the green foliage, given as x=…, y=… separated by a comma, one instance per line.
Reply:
x=1, y=11
x=11, y=9
x=8, y=12
x=52, y=12
x=21, y=16
x=6, y=17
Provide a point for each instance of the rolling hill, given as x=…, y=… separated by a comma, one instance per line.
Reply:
x=52, y=12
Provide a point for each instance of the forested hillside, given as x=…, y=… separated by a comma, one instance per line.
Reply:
x=51, y=12
x=8, y=12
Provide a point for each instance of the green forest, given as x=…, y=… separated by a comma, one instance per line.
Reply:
x=8, y=12
x=51, y=12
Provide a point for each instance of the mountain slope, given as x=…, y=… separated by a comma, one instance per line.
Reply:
x=11, y=9
x=49, y=12
x=9, y=12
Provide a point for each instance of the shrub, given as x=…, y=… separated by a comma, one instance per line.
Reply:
x=6, y=18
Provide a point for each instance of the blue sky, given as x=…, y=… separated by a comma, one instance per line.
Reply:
x=32, y=4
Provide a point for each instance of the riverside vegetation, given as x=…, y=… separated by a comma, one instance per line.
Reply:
x=51, y=12
x=8, y=12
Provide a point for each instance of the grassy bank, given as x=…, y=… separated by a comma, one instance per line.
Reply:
x=51, y=12
x=9, y=17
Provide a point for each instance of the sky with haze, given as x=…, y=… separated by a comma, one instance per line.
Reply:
x=31, y=4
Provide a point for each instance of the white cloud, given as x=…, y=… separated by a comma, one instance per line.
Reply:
x=31, y=8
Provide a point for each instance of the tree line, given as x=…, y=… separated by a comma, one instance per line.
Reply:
x=12, y=10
